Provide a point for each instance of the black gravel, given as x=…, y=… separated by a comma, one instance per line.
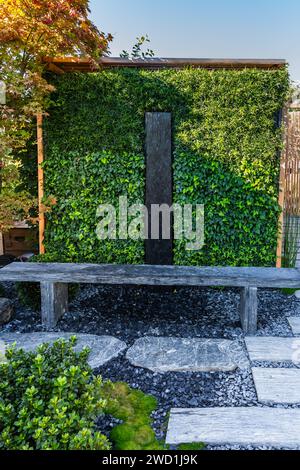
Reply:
x=130, y=313
x=184, y=390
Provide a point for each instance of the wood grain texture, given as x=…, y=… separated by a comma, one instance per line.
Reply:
x=40, y=150
x=235, y=426
x=71, y=64
x=151, y=275
x=281, y=195
x=54, y=302
x=159, y=187
x=277, y=385
x=273, y=349
x=248, y=310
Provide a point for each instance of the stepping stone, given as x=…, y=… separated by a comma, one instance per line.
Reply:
x=277, y=385
x=274, y=427
x=294, y=324
x=163, y=354
x=271, y=349
x=103, y=348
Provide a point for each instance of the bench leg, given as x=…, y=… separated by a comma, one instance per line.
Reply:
x=248, y=310
x=54, y=302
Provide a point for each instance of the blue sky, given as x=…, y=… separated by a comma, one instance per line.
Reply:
x=205, y=28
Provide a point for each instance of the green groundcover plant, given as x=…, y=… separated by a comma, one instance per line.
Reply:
x=134, y=408
x=226, y=155
x=49, y=400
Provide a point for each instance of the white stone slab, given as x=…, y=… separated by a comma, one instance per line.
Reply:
x=103, y=348
x=277, y=385
x=295, y=324
x=271, y=349
x=162, y=354
x=253, y=426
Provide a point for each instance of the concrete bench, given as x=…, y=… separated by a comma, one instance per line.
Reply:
x=55, y=277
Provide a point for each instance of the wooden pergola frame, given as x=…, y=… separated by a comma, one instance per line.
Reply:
x=40, y=153
x=61, y=65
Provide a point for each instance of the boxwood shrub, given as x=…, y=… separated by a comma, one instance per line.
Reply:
x=226, y=142
x=49, y=400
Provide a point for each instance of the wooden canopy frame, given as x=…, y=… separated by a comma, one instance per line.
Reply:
x=61, y=65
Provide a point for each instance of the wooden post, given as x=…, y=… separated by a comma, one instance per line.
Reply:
x=1, y=244
x=248, y=310
x=282, y=191
x=40, y=147
x=159, y=189
x=54, y=302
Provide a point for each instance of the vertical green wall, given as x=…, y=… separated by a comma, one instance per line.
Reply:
x=226, y=156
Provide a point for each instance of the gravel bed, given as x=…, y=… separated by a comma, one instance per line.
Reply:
x=184, y=390
x=130, y=313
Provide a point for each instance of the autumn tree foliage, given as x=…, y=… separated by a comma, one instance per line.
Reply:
x=31, y=30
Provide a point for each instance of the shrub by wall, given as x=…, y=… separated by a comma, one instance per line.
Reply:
x=226, y=156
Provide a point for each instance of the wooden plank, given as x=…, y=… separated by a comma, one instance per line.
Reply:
x=277, y=385
x=40, y=146
x=255, y=426
x=273, y=349
x=151, y=275
x=71, y=64
x=159, y=188
x=248, y=310
x=1, y=244
x=54, y=302
x=281, y=195
x=54, y=68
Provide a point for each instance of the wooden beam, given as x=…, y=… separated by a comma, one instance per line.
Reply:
x=71, y=64
x=282, y=191
x=54, y=302
x=248, y=310
x=151, y=275
x=40, y=148
x=54, y=68
x=1, y=244
x=159, y=186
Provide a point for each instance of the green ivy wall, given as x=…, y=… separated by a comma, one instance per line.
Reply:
x=226, y=156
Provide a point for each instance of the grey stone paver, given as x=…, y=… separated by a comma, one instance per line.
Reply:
x=103, y=348
x=273, y=349
x=277, y=385
x=162, y=354
x=254, y=426
x=294, y=324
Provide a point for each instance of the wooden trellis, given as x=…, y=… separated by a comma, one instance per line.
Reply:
x=288, y=254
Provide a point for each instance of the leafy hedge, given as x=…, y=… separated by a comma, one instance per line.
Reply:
x=226, y=156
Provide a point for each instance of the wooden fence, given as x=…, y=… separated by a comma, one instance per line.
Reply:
x=290, y=195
